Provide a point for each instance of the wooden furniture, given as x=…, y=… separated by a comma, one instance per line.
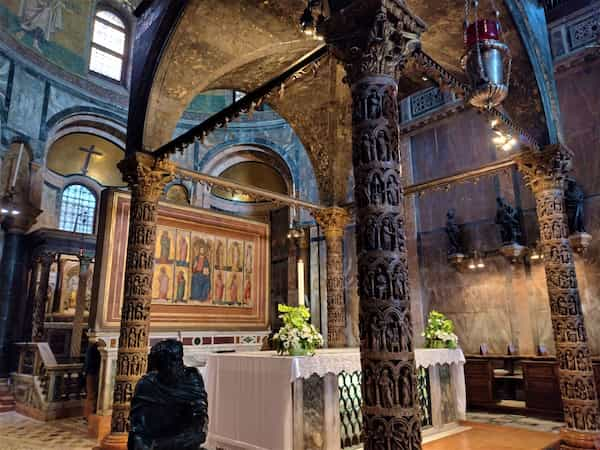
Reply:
x=519, y=384
x=542, y=389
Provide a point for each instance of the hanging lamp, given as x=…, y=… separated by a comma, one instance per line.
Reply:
x=487, y=61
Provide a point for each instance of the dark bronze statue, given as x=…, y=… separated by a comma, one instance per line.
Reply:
x=169, y=410
x=574, y=199
x=453, y=233
x=507, y=218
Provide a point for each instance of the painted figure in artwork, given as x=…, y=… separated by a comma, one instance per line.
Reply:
x=41, y=18
x=165, y=246
x=248, y=261
x=235, y=257
x=219, y=288
x=233, y=288
x=183, y=250
x=200, y=271
x=180, y=290
x=247, y=291
x=163, y=284
x=220, y=255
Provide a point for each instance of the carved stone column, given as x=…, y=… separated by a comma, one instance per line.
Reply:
x=12, y=280
x=84, y=275
x=374, y=38
x=333, y=221
x=545, y=172
x=41, y=296
x=147, y=178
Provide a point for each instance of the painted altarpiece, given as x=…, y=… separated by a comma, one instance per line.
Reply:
x=210, y=269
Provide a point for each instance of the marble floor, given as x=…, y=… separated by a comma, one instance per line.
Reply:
x=517, y=433
x=483, y=436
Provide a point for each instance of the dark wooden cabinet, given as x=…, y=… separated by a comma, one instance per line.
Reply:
x=515, y=384
x=479, y=376
x=542, y=389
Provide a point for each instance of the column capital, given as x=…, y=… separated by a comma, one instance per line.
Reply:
x=373, y=37
x=333, y=220
x=147, y=175
x=546, y=168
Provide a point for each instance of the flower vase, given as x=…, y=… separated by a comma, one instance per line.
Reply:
x=299, y=351
x=436, y=343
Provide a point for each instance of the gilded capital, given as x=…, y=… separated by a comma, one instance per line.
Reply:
x=333, y=221
x=373, y=37
x=147, y=175
x=547, y=168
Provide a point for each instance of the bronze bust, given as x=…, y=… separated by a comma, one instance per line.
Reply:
x=169, y=409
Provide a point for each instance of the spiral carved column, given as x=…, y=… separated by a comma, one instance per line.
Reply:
x=374, y=38
x=545, y=172
x=333, y=221
x=41, y=296
x=77, y=333
x=147, y=178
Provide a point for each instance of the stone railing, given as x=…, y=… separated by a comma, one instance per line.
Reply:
x=351, y=402
x=44, y=388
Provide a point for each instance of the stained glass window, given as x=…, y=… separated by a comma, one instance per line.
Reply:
x=77, y=210
x=109, y=39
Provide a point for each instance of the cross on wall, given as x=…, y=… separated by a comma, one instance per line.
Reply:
x=88, y=157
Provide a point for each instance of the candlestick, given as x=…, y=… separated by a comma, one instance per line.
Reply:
x=300, y=282
x=16, y=171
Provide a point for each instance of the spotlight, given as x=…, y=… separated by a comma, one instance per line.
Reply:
x=499, y=140
x=472, y=265
x=4, y=211
x=14, y=212
x=480, y=264
x=424, y=78
x=494, y=123
x=509, y=144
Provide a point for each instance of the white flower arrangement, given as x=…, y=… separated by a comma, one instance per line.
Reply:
x=297, y=336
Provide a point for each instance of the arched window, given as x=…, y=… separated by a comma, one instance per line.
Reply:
x=109, y=44
x=77, y=209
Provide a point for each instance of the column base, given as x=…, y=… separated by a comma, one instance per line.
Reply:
x=98, y=426
x=575, y=440
x=114, y=441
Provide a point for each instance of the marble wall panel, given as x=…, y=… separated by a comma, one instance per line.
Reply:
x=26, y=104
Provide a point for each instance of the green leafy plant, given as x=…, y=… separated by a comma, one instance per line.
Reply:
x=439, y=332
x=296, y=336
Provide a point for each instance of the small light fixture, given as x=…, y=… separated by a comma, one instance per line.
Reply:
x=15, y=212
x=424, y=78
x=307, y=22
x=472, y=265
x=494, y=123
x=480, y=263
x=4, y=211
x=510, y=144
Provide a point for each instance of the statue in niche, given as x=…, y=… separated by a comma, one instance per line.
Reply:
x=169, y=409
x=386, y=386
x=381, y=284
x=375, y=337
x=574, y=199
x=388, y=234
x=453, y=232
x=372, y=234
x=579, y=420
x=367, y=148
x=383, y=146
x=373, y=105
x=392, y=190
x=406, y=388
x=377, y=189
x=507, y=218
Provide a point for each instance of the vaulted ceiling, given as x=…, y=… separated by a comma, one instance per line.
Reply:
x=240, y=44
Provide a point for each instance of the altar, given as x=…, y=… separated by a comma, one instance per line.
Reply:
x=261, y=401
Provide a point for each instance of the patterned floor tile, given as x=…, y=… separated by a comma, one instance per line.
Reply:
x=22, y=433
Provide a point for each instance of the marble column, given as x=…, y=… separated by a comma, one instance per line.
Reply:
x=147, y=178
x=76, y=334
x=41, y=297
x=545, y=173
x=333, y=221
x=13, y=274
x=374, y=38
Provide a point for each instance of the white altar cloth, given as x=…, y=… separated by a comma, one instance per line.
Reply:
x=250, y=397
